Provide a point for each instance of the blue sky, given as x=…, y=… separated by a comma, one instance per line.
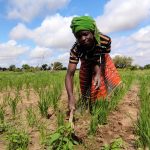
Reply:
x=38, y=31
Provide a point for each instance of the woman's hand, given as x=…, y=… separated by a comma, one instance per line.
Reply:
x=96, y=76
x=71, y=110
x=97, y=81
x=69, y=85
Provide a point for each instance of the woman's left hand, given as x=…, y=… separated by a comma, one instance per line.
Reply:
x=96, y=76
x=97, y=81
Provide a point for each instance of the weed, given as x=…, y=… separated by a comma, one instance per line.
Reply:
x=117, y=144
x=61, y=139
x=3, y=127
x=17, y=140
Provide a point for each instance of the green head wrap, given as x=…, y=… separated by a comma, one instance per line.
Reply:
x=85, y=23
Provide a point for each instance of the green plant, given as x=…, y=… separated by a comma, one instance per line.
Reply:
x=57, y=87
x=27, y=89
x=2, y=111
x=83, y=104
x=31, y=117
x=13, y=104
x=93, y=124
x=100, y=108
x=6, y=100
x=61, y=139
x=17, y=140
x=143, y=123
x=3, y=127
x=117, y=144
x=60, y=118
x=43, y=133
x=99, y=111
x=43, y=105
x=116, y=96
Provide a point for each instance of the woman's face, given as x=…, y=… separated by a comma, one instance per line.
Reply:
x=85, y=38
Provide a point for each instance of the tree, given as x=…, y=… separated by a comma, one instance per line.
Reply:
x=44, y=67
x=49, y=68
x=64, y=68
x=18, y=70
x=25, y=67
x=3, y=69
x=147, y=66
x=12, y=68
x=122, y=61
x=134, y=67
x=57, y=66
x=37, y=68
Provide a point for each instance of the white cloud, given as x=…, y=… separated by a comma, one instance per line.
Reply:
x=21, y=32
x=35, y=62
x=38, y=61
x=116, y=54
x=136, y=45
x=26, y=10
x=38, y=56
x=10, y=52
x=122, y=15
x=40, y=52
x=54, y=32
x=63, y=58
x=143, y=35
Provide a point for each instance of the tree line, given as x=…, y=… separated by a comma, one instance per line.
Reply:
x=119, y=61
x=26, y=67
x=127, y=62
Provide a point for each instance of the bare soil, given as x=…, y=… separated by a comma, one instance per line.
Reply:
x=121, y=124
x=20, y=121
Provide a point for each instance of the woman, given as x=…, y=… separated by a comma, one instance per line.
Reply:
x=98, y=75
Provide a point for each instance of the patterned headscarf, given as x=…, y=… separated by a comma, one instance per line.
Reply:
x=85, y=23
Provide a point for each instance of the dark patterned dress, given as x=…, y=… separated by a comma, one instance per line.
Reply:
x=109, y=78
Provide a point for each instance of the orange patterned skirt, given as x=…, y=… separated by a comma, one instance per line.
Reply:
x=109, y=79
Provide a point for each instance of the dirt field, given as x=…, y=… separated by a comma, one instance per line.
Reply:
x=120, y=122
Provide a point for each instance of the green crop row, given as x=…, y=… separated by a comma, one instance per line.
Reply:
x=143, y=124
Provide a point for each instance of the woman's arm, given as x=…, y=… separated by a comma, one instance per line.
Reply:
x=69, y=85
x=105, y=43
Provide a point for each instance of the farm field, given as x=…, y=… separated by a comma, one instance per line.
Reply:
x=33, y=109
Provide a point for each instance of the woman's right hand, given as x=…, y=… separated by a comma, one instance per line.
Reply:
x=71, y=110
